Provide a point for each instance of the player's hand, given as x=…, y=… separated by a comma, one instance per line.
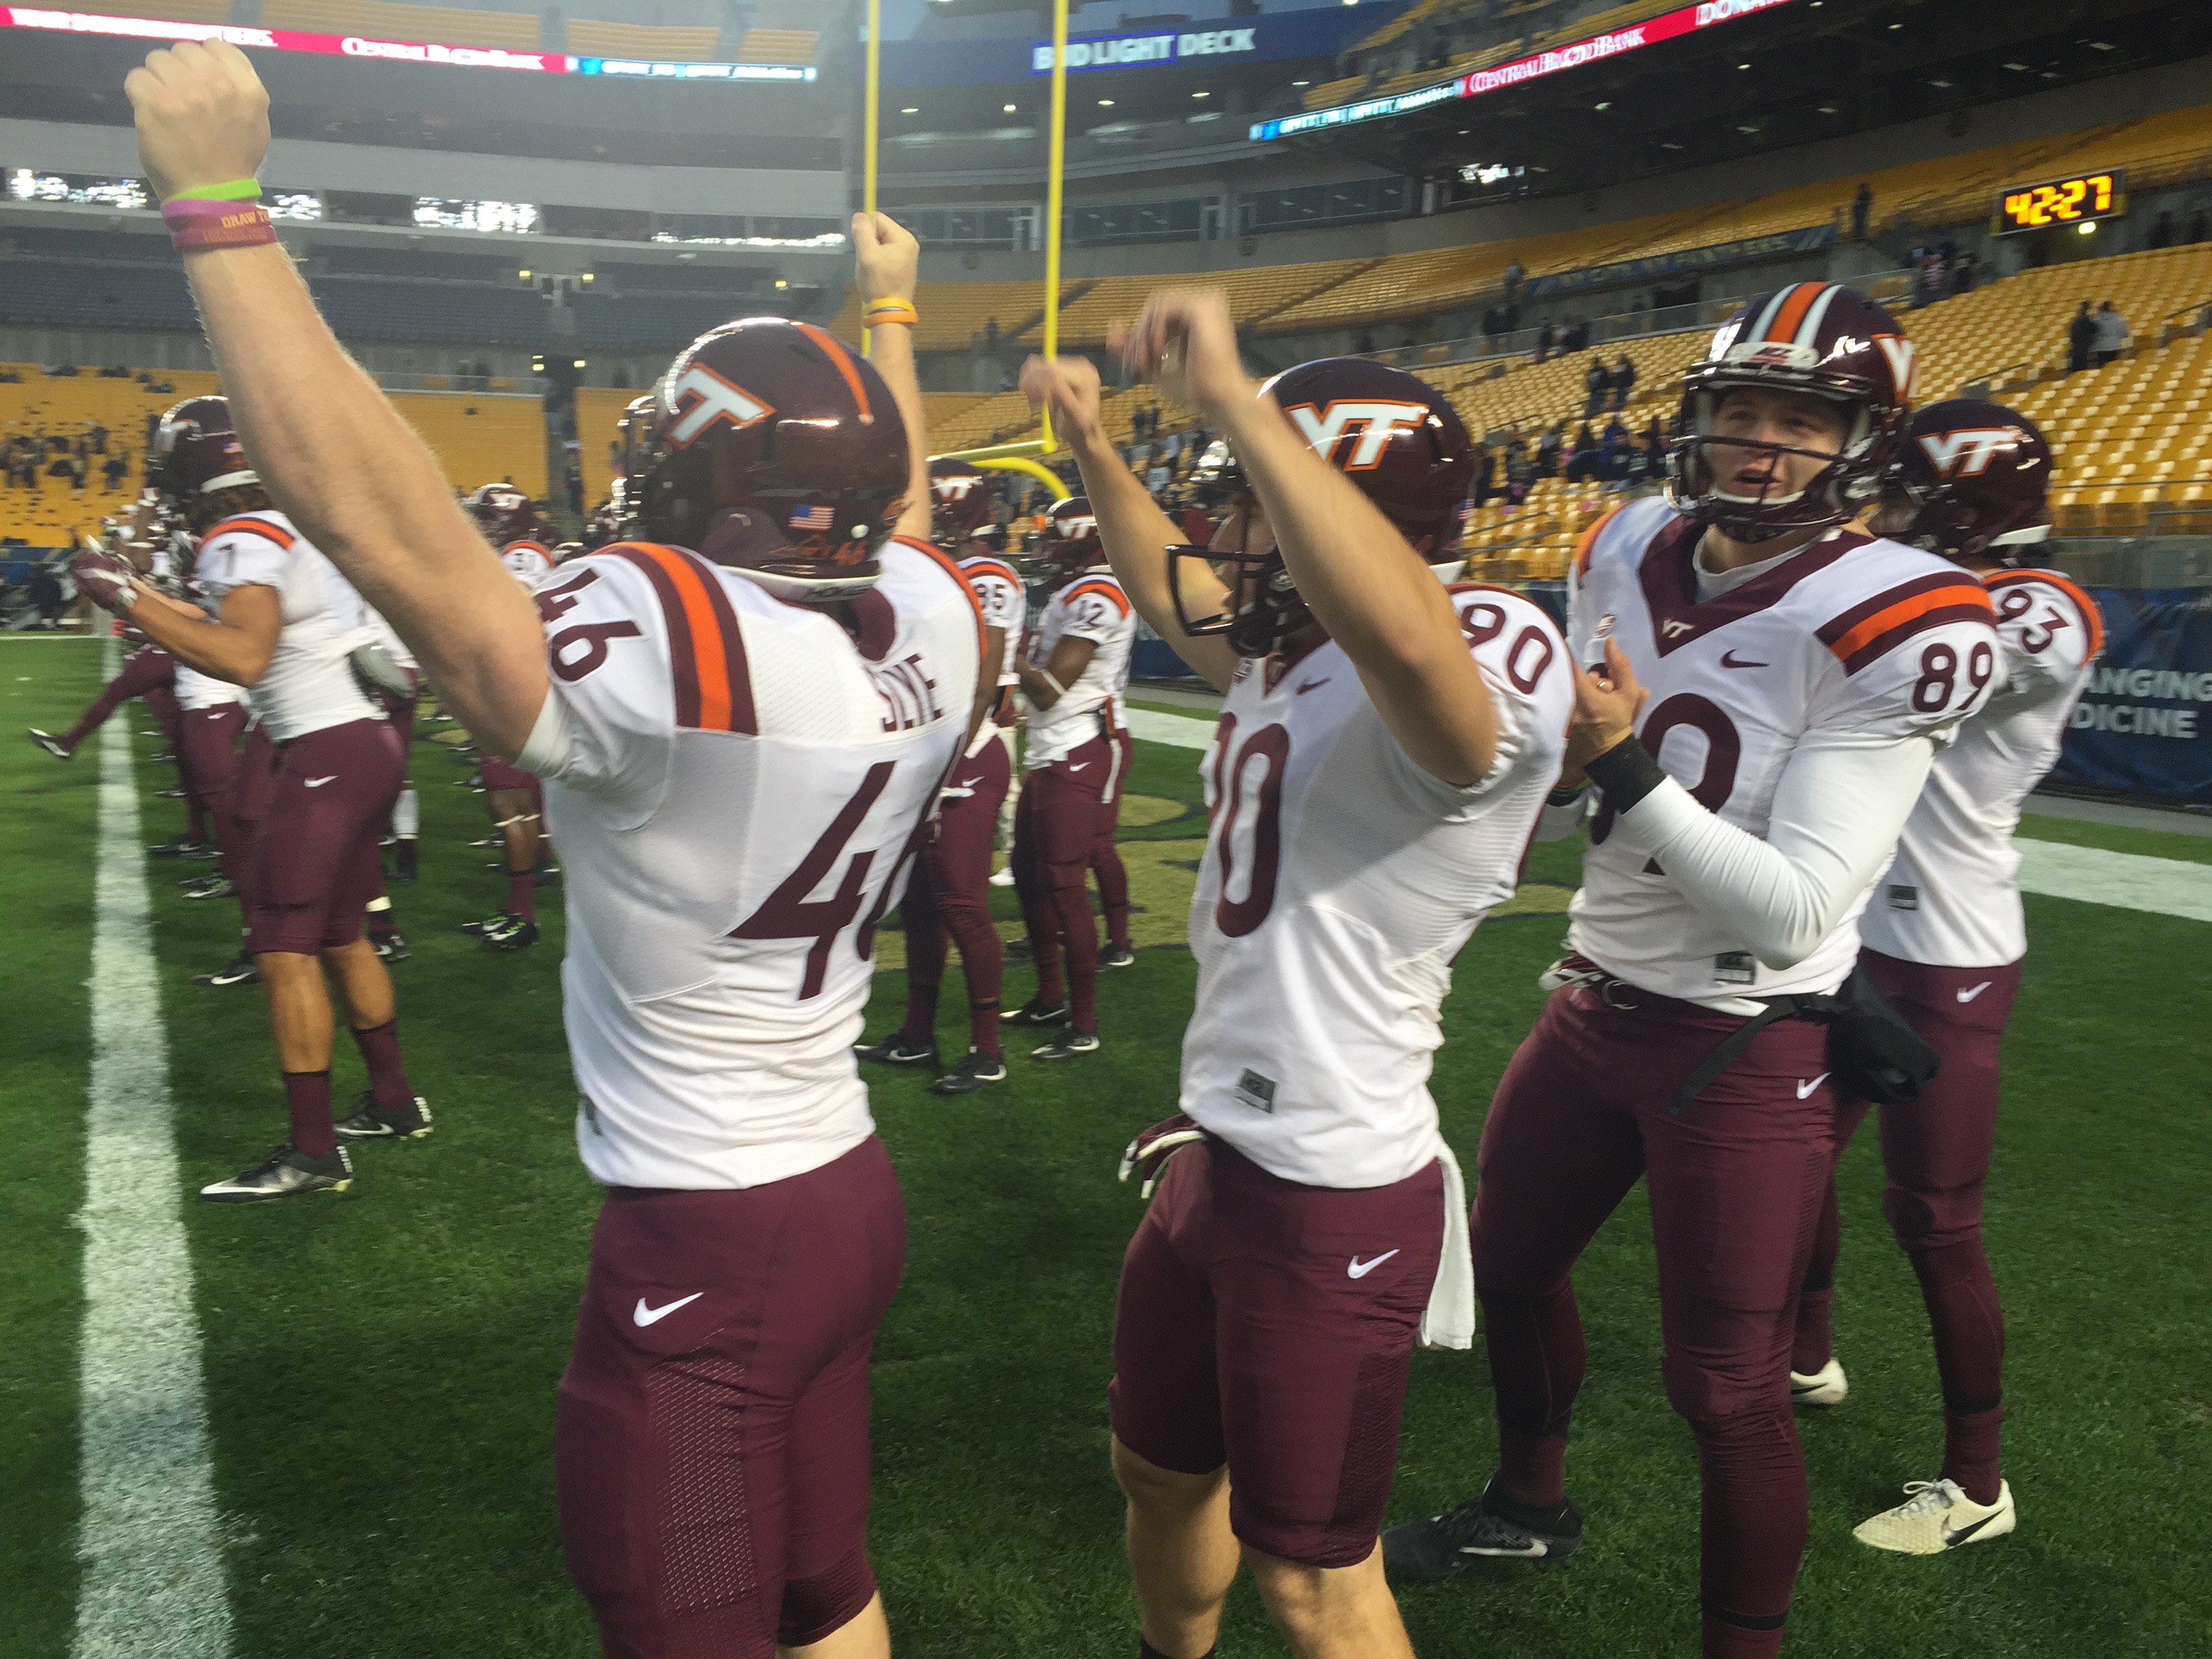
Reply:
x=1606, y=702
x=885, y=256
x=106, y=579
x=202, y=116
x=1184, y=341
x=1069, y=388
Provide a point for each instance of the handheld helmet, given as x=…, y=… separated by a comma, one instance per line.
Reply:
x=773, y=450
x=1392, y=434
x=1819, y=338
x=1977, y=476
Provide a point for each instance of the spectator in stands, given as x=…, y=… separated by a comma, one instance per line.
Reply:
x=1862, y=205
x=1623, y=380
x=1654, y=440
x=1520, y=470
x=2161, y=232
x=1544, y=337
x=1927, y=277
x=1964, y=270
x=1486, y=475
x=990, y=336
x=96, y=435
x=2081, y=338
x=1547, y=450
x=2111, y=337
x=1583, y=464
x=1158, y=477
x=1514, y=273
x=1578, y=333
x=1596, y=382
x=114, y=469
x=2198, y=230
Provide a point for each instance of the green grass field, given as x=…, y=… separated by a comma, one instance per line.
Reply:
x=381, y=1365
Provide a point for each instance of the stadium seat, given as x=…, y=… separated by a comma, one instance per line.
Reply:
x=447, y=24
x=591, y=38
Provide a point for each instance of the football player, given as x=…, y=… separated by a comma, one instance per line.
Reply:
x=511, y=522
x=1072, y=676
x=1942, y=938
x=742, y=727
x=149, y=671
x=1764, y=688
x=285, y=624
x=1383, y=751
x=949, y=893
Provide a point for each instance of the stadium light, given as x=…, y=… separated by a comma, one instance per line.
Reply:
x=580, y=363
x=2086, y=228
x=1005, y=109
x=1105, y=103
x=1201, y=94
x=781, y=285
x=910, y=110
x=586, y=278
x=524, y=274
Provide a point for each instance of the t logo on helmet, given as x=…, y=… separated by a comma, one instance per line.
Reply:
x=953, y=486
x=1967, y=452
x=717, y=400
x=1378, y=423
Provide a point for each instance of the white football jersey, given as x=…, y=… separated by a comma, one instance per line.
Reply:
x=1339, y=879
x=1092, y=607
x=196, y=691
x=308, y=685
x=529, y=561
x=1005, y=605
x=383, y=633
x=737, y=785
x=1850, y=634
x=1950, y=899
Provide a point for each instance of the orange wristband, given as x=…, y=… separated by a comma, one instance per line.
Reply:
x=891, y=311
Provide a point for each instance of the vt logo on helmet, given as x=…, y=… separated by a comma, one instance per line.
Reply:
x=1820, y=339
x=1391, y=433
x=772, y=449
x=1069, y=544
x=506, y=513
x=1977, y=478
x=960, y=501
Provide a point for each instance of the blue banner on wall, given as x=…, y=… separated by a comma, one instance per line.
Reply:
x=2145, y=723
x=1811, y=240
x=1277, y=37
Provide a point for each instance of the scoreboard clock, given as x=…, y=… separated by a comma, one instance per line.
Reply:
x=2077, y=199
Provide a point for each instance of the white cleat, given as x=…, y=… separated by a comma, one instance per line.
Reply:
x=1823, y=1387
x=1936, y=1516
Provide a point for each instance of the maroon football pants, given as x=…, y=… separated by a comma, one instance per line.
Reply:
x=1935, y=1157
x=711, y=1442
x=1106, y=857
x=949, y=895
x=316, y=866
x=207, y=760
x=1055, y=838
x=147, y=672
x=1735, y=1182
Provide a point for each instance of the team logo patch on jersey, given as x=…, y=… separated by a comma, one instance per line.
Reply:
x=1904, y=898
x=1735, y=967
x=1253, y=1090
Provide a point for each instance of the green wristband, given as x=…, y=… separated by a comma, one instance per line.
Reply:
x=238, y=190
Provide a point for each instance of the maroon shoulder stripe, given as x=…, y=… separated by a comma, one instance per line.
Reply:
x=706, y=652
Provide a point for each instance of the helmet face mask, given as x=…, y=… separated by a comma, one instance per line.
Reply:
x=1069, y=544
x=1821, y=340
x=773, y=450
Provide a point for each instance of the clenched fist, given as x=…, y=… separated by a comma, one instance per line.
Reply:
x=885, y=256
x=202, y=116
x=106, y=579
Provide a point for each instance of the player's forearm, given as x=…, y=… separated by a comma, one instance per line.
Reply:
x=1837, y=811
x=1137, y=534
x=338, y=458
x=1038, y=685
x=890, y=350
x=194, y=639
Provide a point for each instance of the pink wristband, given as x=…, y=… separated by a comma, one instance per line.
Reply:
x=201, y=224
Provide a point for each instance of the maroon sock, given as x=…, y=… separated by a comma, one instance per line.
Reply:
x=522, y=894
x=920, y=1026
x=1117, y=925
x=1814, y=1343
x=387, y=1076
x=982, y=962
x=307, y=1099
x=195, y=815
x=1753, y=1519
x=1968, y=1325
x=983, y=1027
x=1536, y=1360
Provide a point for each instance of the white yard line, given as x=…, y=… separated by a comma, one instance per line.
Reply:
x=1182, y=731
x=154, y=1585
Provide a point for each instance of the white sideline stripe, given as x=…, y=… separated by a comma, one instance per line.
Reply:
x=1181, y=730
x=154, y=1585
x=2165, y=887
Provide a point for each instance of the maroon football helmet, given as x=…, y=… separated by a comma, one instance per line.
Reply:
x=1818, y=337
x=776, y=451
x=1069, y=543
x=960, y=501
x=1979, y=477
x=196, y=450
x=1392, y=434
x=506, y=513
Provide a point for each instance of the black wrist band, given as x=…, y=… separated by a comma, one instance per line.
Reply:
x=1626, y=773
x=1568, y=796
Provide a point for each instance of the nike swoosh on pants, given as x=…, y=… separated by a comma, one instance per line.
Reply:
x=1804, y=1090
x=645, y=1316
x=1968, y=996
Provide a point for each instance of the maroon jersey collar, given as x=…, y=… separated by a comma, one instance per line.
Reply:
x=1669, y=576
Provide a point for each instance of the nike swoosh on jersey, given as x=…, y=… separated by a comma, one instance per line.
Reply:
x=317, y=783
x=645, y=1316
x=1729, y=660
x=1968, y=996
x=1359, y=1269
x=1804, y=1090
x=1311, y=685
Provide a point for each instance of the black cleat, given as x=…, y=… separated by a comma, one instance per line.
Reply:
x=183, y=846
x=1069, y=1043
x=490, y=924
x=519, y=935
x=1117, y=955
x=52, y=745
x=241, y=972
x=207, y=887
x=1036, y=1012
x=895, y=1050
x=403, y=861
x=205, y=852
x=1496, y=1526
x=168, y=795
x=286, y=1170
x=389, y=947
x=971, y=1074
x=166, y=755
x=371, y=1121
x=491, y=841
x=1020, y=951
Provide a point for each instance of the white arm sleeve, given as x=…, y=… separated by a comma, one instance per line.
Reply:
x=1840, y=805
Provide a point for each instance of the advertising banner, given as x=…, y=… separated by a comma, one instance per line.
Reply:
x=2145, y=723
x=1812, y=240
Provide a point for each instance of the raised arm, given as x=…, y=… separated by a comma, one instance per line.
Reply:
x=1137, y=534
x=332, y=450
x=1354, y=571
x=885, y=256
